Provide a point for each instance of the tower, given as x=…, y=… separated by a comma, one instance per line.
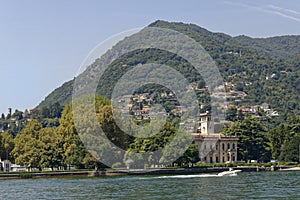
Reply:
x=206, y=125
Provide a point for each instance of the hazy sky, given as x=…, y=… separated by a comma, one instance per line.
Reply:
x=43, y=42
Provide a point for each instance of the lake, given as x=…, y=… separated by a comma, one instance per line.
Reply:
x=247, y=185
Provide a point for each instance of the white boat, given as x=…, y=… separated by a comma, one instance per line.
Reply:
x=229, y=173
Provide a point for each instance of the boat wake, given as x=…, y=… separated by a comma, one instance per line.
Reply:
x=221, y=174
x=190, y=176
x=229, y=173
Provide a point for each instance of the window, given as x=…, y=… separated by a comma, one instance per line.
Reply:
x=211, y=160
x=228, y=146
x=233, y=146
x=223, y=159
x=216, y=146
x=233, y=158
x=223, y=146
x=217, y=159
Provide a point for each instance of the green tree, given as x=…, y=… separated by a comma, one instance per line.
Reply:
x=7, y=143
x=253, y=143
x=27, y=146
x=51, y=151
x=110, y=137
x=277, y=138
x=231, y=114
x=73, y=149
x=285, y=141
x=44, y=112
x=55, y=110
x=291, y=149
x=145, y=146
x=18, y=114
x=191, y=155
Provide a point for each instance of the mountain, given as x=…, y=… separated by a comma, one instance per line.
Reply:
x=280, y=47
x=264, y=69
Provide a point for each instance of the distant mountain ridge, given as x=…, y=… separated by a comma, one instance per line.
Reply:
x=280, y=47
x=246, y=62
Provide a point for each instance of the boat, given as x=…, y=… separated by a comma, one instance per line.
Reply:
x=229, y=173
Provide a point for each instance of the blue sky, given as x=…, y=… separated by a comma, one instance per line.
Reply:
x=43, y=43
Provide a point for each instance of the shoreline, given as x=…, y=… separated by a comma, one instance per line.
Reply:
x=135, y=172
x=291, y=169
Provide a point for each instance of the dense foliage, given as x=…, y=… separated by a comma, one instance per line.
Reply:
x=285, y=140
x=253, y=141
x=59, y=147
x=252, y=65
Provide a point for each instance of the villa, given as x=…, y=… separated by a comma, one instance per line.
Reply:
x=214, y=147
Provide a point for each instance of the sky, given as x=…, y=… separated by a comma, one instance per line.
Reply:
x=43, y=43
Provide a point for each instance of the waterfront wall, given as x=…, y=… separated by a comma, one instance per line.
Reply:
x=178, y=171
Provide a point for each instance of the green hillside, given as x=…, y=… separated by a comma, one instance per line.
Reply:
x=280, y=47
x=265, y=70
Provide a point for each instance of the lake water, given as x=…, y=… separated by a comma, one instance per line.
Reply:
x=247, y=185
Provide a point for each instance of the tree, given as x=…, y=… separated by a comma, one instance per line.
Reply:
x=51, y=151
x=277, y=138
x=191, y=155
x=44, y=112
x=55, y=110
x=285, y=140
x=27, y=150
x=8, y=116
x=291, y=149
x=90, y=162
x=7, y=143
x=75, y=153
x=18, y=114
x=240, y=115
x=231, y=114
x=201, y=84
x=145, y=145
x=253, y=143
x=73, y=149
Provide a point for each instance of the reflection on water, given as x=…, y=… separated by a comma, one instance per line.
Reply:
x=264, y=185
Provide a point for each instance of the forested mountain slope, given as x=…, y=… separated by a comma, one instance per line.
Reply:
x=266, y=70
